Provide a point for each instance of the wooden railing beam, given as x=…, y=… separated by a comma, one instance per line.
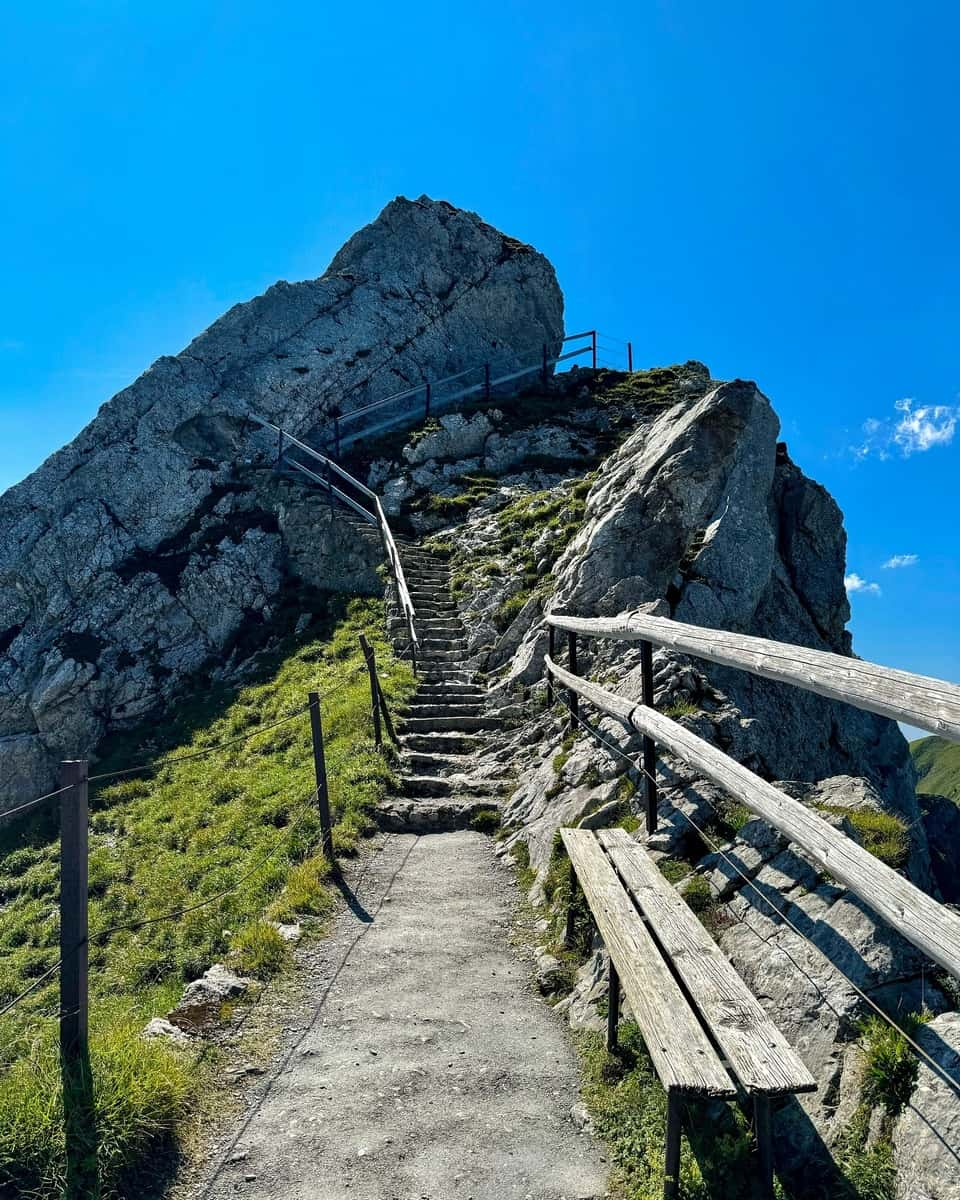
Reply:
x=928, y=925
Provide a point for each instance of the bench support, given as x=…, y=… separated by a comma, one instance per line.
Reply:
x=570, y=930
x=764, y=1138
x=671, y=1168
x=613, y=1008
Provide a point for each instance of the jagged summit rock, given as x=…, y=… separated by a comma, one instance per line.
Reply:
x=135, y=554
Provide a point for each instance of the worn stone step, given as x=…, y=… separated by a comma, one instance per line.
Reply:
x=426, y=815
x=451, y=695
x=440, y=743
x=441, y=785
x=422, y=762
x=443, y=645
x=442, y=708
x=464, y=724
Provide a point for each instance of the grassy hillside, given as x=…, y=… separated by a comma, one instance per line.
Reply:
x=171, y=839
x=938, y=766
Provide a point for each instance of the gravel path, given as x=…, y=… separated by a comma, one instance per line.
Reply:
x=426, y=1068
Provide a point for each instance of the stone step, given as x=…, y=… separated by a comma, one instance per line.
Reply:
x=442, y=645
x=455, y=695
x=464, y=724
x=441, y=708
x=429, y=816
x=420, y=762
x=440, y=785
x=444, y=743
x=441, y=657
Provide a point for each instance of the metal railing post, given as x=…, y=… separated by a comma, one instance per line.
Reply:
x=552, y=650
x=374, y=689
x=413, y=644
x=426, y=407
x=593, y=346
x=279, y=448
x=573, y=698
x=649, y=746
x=630, y=357
x=320, y=774
x=336, y=436
x=74, y=897
x=613, y=1008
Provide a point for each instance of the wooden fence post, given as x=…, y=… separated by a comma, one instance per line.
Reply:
x=74, y=897
x=573, y=698
x=374, y=689
x=320, y=773
x=649, y=746
x=552, y=650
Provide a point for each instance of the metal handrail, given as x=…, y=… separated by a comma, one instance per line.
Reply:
x=377, y=517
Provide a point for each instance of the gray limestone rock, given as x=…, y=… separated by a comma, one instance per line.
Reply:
x=926, y=1138
x=139, y=554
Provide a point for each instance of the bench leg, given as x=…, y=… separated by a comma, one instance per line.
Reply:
x=571, y=911
x=613, y=1008
x=671, y=1169
x=764, y=1136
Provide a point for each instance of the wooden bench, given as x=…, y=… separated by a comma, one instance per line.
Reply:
x=706, y=1033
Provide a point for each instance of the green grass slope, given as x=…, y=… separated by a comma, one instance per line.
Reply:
x=181, y=837
x=938, y=766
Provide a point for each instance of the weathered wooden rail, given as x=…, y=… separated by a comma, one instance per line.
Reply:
x=932, y=927
x=931, y=704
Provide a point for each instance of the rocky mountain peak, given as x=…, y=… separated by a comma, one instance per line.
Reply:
x=136, y=554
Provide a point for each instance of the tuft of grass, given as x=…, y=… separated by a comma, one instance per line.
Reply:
x=891, y=1065
x=886, y=836
x=259, y=950
x=680, y=708
x=182, y=834
x=674, y=869
x=487, y=820
x=871, y=1171
x=505, y=615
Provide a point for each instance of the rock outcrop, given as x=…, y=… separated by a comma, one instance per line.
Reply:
x=137, y=555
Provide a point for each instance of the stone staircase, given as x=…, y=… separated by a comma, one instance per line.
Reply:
x=439, y=737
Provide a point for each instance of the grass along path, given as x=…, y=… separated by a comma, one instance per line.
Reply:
x=169, y=840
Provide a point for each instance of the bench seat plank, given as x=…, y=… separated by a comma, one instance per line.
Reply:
x=682, y=1054
x=756, y=1050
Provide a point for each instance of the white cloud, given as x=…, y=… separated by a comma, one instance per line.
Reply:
x=912, y=432
x=854, y=583
x=900, y=560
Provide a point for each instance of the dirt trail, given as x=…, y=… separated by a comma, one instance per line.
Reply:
x=426, y=1067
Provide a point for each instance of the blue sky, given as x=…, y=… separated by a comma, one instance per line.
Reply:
x=769, y=188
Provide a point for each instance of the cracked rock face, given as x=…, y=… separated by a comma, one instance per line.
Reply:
x=136, y=555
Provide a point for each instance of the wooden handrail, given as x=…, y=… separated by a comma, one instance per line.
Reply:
x=931, y=704
x=930, y=926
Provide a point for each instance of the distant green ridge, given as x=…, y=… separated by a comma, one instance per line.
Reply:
x=938, y=766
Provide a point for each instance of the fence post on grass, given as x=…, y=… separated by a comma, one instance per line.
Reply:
x=649, y=746
x=320, y=773
x=74, y=895
x=371, y=662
